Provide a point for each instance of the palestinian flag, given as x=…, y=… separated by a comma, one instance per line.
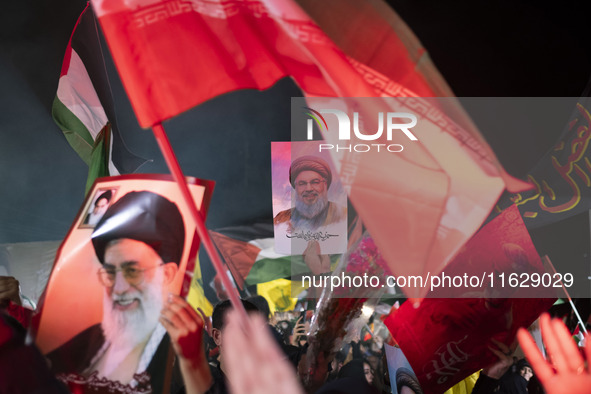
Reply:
x=83, y=107
x=256, y=256
x=249, y=253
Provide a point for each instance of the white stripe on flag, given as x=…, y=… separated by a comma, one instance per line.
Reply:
x=113, y=171
x=76, y=92
x=267, y=247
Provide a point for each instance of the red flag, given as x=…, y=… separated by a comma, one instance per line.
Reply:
x=173, y=55
x=445, y=339
x=239, y=255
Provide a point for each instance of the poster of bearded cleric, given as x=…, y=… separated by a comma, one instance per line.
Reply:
x=99, y=321
x=309, y=202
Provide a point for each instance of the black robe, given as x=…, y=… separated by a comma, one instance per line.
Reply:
x=75, y=356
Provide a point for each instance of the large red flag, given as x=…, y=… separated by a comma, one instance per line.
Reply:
x=448, y=339
x=420, y=206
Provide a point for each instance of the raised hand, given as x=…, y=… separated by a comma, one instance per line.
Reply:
x=9, y=291
x=299, y=331
x=565, y=371
x=504, y=353
x=253, y=361
x=316, y=262
x=185, y=328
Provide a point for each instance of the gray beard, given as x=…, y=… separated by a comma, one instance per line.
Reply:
x=126, y=329
x=311, y=211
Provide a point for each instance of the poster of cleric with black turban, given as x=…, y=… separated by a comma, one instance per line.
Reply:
x=98, y=323
x=309, y=202
x=98, y=207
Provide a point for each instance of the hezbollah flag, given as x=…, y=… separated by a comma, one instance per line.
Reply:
x=278, y=294
x=83, y=107
x=196, y=297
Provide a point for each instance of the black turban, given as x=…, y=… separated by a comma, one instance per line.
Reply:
x=309, y=163
x=146, y=217
x=106, y=195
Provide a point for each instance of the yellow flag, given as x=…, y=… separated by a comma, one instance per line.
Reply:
x=278, y=295
x=465, y=386
x=196, y=297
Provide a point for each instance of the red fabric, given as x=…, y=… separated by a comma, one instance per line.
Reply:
x=68, y=54
x=23, y=315
x=171, y=57
x=447, y=339
x=5, y=332
x=240, y=256
x=420, y=206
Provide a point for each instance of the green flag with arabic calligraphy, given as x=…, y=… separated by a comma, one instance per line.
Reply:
x=562, y=178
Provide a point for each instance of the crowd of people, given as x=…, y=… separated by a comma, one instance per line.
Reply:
x=139, y=244
x=220, y=354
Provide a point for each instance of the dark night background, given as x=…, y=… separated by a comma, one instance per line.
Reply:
x=483, y=49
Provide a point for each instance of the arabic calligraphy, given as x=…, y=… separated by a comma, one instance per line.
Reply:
x=563, y=193
x=106, y=385
x=312, y=236
x=448, y=356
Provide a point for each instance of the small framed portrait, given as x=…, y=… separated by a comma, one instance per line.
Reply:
x=99, y=203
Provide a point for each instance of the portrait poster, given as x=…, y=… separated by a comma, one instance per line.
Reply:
x=309, y=202
x=98, y=321
x=400, y=371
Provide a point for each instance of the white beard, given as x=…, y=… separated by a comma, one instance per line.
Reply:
x=313, y=210
x=94, y=218
x=127, y=329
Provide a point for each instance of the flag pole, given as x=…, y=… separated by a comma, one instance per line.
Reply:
x=177, y=174
x=546, y=259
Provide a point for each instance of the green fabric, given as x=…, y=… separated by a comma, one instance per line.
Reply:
x=99, y=162
x=74, y=130
x=266, y=270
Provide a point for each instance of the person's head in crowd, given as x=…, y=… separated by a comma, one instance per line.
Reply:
x=139, y=242
x=310, y=176
x=359, y=369
x=336, y=364
x=524, y=369
x=368, y=372
x=218, y=318
x=262, y=305
x=407, y=382
x=284, y=328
